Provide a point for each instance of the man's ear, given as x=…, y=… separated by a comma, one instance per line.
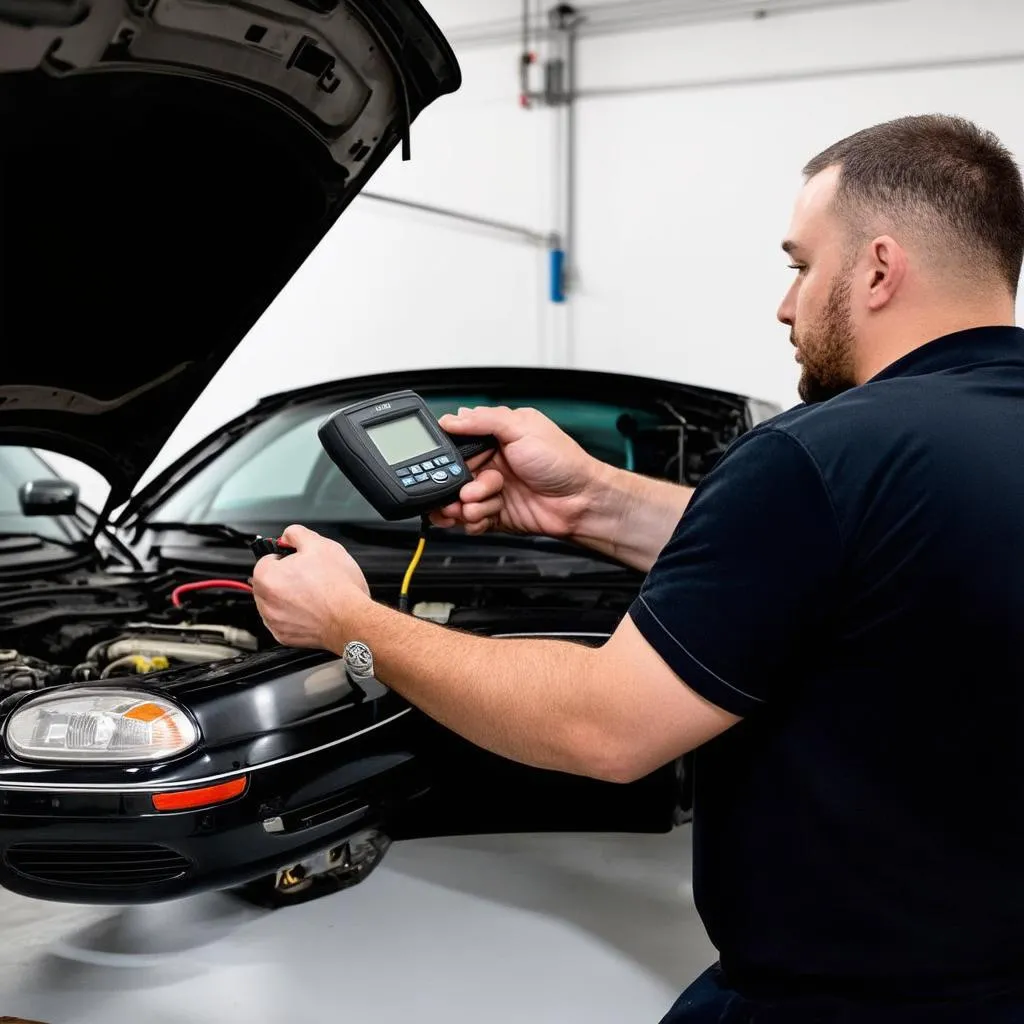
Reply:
x=888, y=270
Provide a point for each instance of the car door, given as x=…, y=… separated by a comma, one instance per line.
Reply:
x=477, y=793
x=474, y=792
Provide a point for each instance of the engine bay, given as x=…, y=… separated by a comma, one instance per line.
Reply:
x=102, y=626
x=96, y=627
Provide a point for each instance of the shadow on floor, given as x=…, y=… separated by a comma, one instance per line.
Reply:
x=139, y=947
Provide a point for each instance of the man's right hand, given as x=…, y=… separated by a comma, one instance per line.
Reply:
x=540, y=481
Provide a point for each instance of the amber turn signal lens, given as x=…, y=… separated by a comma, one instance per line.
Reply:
x=187, y=799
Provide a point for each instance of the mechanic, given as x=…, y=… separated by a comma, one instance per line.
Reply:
x=835, y=617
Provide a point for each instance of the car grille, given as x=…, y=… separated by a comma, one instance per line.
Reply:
x=97, y=865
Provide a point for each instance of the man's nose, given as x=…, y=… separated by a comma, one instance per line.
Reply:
x=787, y=310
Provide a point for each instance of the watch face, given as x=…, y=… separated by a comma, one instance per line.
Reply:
x=358, y=658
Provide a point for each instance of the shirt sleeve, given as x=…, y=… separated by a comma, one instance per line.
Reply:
x=737, y=599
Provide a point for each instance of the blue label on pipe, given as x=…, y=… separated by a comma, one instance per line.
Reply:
x=557, y=275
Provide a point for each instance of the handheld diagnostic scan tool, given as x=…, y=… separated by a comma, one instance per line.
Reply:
x=397, y=456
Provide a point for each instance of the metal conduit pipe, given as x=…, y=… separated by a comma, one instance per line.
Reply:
x=807, y=74
x=540, y=238
x=637, y=15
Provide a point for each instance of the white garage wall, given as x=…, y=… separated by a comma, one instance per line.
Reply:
x=686, y=191
x=690, y=142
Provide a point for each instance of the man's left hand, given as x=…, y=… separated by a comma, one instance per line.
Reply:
x=304, y=596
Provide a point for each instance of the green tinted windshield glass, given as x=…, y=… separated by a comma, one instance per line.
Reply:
x=279, y=472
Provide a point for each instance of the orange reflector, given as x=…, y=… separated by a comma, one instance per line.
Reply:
x=164, y=732
x=186, y=799
x=146, y=712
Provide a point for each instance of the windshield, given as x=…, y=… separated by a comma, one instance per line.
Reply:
x=278, y=473
x=20, y=465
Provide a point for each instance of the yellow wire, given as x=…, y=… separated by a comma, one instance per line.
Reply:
x=412, y=566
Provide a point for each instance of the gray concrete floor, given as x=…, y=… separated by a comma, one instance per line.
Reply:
x=547, y=929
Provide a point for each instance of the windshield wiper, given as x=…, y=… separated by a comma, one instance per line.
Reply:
x=216, y=531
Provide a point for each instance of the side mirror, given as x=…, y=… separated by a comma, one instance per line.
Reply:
x=48, y=498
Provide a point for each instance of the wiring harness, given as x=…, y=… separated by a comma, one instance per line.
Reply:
x=227, y=584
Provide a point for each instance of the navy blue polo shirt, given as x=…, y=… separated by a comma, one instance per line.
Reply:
x=850, y=580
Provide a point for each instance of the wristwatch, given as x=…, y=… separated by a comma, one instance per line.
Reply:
x=358, y=659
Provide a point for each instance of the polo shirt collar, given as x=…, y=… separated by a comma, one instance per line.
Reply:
x=959, y=350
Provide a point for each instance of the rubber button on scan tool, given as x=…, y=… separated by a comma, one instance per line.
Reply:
x=439, y=475
x=408, y=481
x=421, y=477
x=455, y=469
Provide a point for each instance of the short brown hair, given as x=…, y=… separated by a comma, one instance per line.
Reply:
x=940, y=165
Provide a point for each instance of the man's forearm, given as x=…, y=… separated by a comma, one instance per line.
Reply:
x=631, y=517
x=546, y=703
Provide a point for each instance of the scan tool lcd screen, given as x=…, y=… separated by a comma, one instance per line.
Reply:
x=402, y=439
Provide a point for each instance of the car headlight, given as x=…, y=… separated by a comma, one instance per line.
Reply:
x=99, y=725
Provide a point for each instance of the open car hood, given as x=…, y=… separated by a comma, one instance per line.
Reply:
x=167, y=165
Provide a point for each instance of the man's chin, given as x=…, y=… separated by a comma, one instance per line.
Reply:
x=807, y=389
x=813, y=391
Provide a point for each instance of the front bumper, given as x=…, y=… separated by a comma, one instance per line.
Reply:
x=111, y=847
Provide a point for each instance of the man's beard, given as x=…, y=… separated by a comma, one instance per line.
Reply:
x=827, y=346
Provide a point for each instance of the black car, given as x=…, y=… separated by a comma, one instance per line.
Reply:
x=166, y=168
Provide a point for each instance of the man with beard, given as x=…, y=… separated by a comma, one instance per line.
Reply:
x=833, y=620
